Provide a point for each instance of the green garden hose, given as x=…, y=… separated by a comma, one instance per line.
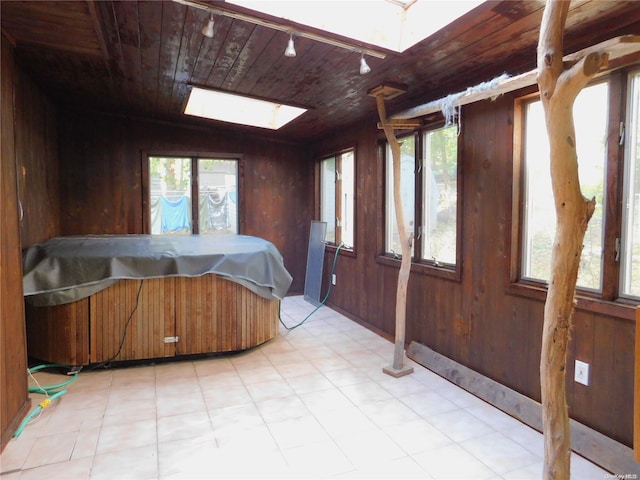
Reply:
x=52, y=392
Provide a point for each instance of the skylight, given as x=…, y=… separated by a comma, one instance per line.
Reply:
x=237, y=109
x=392, y=24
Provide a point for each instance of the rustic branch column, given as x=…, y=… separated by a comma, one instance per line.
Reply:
x=397, y=369
x=559, y=86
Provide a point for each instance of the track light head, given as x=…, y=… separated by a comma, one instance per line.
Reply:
x=364, y=68
x=207, y=30
x=291, y=49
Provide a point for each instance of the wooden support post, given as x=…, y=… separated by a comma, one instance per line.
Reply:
x=559, y=86
x=398, y=369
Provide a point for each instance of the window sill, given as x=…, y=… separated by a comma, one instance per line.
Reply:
x=331, y=248
x=422, y=268
x=585, y=301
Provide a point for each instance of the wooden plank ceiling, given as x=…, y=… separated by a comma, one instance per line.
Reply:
x=139, y=58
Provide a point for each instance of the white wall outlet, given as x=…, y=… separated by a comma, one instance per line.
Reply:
x=333, y=279
x=582, y=372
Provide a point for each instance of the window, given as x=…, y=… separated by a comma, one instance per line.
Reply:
x=440, y=195
x=407, y=194
x=590, y=118
x=607, y=123
x=433, y=220
x=175, y=181
x=630, y=268
x=337, y=197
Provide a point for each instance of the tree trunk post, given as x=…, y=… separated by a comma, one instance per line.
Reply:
x=559, y=86
x=397, y=369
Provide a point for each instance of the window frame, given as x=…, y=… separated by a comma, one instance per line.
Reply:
x=607, y=300
x=337, y=155
x=418, y=264
x=194, y=156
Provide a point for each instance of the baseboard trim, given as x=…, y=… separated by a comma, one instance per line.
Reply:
x=598, y=448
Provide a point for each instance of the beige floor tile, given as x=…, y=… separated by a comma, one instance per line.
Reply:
x=128, y=464
x=186, y=425
x=346, y=376
x=452, y=462
x=344, y=422
x=500, y=453
x=187, y=458
x=285, y=408
x=313, y=382
x=298, y=431
x=269, y=390
x=363, y=393
x=15, y=453
x=388, y=412
x=254, y=438
x=259, y=374
x=460, y=425
x=317, y=460
x=126, y=436
x=400, y=468
x=86, y=443
x=51, y=449
x=240, y=415
x=371, y=447
x=427, y=404
x=77, y=469
x=325, y=400
x=417, y=436
x=227, y=397
x=176, y=405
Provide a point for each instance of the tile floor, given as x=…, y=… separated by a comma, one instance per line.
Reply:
x=312, y=403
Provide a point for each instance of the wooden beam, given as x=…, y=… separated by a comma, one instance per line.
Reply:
x=585, y=441
x=400, y=124
x=617, y=48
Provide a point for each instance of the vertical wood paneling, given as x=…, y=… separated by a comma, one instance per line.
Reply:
x=13, y=363
x=118, y=313
x=37, y=157
x=217, y=315
x=59, y=334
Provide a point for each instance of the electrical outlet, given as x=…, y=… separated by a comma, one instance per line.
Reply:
x=333, y=279
x=582, y=372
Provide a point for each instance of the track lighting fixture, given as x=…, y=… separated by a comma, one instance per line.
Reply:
x=207, y=30
x=199, y=4
x=364, y=68
x=291, y=49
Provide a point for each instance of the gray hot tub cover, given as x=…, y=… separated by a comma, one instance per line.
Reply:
x=66, y=269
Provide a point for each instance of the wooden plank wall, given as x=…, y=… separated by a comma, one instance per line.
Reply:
x=59, y=334
x=102, y=191
x=14, y=402
x=217, y=315
x=478, y=321
x=130, y=319
x=38, y=177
